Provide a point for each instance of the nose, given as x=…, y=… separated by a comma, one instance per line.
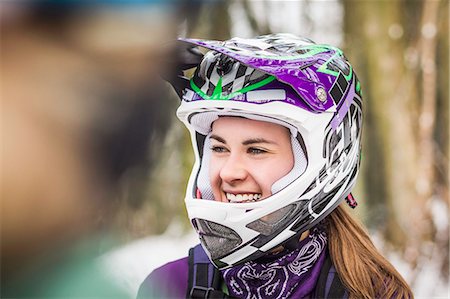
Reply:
x=233, y=169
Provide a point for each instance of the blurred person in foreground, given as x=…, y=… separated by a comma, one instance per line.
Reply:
x=81, y=104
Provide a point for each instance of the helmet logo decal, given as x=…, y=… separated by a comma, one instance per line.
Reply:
x=339, y=88
x=321, y=94
x=351, y=98
x=336, y=64
x=218, y=90
x=267, y=95
x=217, y=93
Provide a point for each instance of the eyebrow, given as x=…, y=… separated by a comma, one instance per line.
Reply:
x=218, y=138
x=246, y=142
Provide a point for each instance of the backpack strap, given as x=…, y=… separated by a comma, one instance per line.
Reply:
x=204, y=280
x=329, y=285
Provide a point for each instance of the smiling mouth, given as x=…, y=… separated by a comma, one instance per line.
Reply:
x=244, y=197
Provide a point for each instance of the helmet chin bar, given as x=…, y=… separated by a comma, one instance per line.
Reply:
x=280, y=228
x=220, y=241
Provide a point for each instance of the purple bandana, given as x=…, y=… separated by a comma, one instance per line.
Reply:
x=287, y=274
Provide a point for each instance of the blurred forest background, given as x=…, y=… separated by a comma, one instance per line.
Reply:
x=400, y=51
x=72, y=167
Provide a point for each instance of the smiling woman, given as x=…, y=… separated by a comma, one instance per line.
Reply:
x=275, y=123
x=247, y=158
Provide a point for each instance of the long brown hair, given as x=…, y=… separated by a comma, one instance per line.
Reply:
x=362, y=269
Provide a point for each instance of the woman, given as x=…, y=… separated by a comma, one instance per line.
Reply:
x=276, y=129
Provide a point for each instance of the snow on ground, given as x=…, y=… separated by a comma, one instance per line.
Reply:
x=129, y=265
x=429, y=284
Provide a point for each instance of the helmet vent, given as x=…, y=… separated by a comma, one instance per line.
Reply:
x=224, y=65
x=219, y=240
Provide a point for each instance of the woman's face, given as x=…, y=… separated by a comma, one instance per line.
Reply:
x=247, y=157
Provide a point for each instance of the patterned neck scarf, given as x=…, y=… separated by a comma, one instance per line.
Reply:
x=287, y=274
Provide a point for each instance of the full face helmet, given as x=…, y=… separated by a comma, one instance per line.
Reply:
x=309, y=88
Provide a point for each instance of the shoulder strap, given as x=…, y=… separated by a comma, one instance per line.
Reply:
x=204, y=280
x=329, y=285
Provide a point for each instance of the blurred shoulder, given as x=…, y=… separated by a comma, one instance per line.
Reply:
x=169, y=280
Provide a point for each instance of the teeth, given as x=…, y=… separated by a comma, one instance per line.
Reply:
x=243, y=197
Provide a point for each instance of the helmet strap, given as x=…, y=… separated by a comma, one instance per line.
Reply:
x=351, y=201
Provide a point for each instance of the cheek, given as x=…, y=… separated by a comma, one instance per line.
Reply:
x=213, y=172
x=215, y=180
x=268, y=174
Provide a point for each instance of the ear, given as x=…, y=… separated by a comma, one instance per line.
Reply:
x=181, y=56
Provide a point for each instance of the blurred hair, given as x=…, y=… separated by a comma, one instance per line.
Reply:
x=123, y=105
x=362, y=269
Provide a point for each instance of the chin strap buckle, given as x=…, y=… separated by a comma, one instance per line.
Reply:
x=351, y=201
x=200, y=292
x=207, y=293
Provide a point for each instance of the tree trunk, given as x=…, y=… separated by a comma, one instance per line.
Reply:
x=397, y=46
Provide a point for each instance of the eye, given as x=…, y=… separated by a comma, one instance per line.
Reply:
x=256, y=151
x=218, y=149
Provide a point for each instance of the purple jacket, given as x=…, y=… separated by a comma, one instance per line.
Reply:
x=167, y=281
